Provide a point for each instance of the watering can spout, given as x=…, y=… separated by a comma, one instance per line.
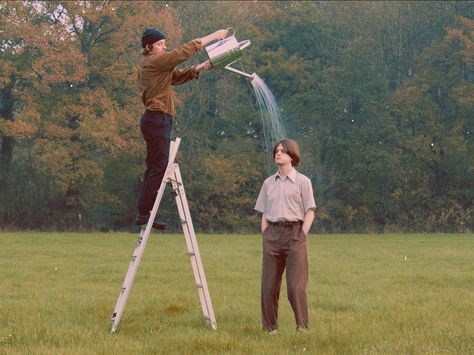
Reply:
x=251, y=76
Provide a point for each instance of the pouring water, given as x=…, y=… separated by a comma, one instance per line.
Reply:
x=273, y=128
x=228, y=51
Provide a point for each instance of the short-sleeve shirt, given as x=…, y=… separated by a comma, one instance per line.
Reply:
x=286, y=198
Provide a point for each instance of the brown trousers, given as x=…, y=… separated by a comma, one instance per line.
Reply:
x=284, y=246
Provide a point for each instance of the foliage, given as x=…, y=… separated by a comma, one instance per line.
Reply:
x=378, y=94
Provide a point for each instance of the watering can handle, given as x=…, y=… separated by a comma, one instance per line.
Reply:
x=224, y=40
x=244, y=44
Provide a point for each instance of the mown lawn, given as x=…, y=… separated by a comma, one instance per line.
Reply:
x=380, y=294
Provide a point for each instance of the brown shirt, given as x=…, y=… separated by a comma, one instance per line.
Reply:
x=157, y=73
x=286, y=198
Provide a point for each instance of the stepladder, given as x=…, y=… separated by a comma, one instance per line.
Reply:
x=173, y=177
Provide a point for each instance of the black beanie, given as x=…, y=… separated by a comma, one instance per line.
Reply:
x=151, y=36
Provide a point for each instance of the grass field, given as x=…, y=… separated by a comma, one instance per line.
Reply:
x=376, y=294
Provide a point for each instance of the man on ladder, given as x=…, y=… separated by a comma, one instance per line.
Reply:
x=157, y=72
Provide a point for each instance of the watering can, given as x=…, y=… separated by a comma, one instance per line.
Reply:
x=226, y=52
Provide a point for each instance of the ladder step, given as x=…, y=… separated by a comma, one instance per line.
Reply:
x=172, y=176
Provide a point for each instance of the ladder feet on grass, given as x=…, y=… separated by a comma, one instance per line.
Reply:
x=173, y=177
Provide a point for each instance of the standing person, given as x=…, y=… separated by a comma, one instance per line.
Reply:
x=157, y=72
x=287, y=204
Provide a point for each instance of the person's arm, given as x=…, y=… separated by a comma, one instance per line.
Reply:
x=308, y=221
x=261, y=205
x=179, y=55
x=309, y=204
x=215, y=36
x=180, y=76
x=264, y=223
x=169, y=60
x=207, y=65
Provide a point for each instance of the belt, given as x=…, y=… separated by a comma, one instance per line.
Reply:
x=285, y=223
x=158, y=113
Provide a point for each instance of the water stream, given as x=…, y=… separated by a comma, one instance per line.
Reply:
x=273, y=128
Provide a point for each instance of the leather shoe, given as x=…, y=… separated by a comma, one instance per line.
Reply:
x=141, y=219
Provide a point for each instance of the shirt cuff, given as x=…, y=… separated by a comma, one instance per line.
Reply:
x=197, y=43
x=196, y=74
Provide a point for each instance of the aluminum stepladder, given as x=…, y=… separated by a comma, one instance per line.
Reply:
x=173, y=176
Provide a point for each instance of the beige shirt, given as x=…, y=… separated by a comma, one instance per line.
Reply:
x=286, y=198
x=157, y=73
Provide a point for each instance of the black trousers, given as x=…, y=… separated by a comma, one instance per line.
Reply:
x=156, y=128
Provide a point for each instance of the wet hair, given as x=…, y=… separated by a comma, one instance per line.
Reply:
x=291, y=148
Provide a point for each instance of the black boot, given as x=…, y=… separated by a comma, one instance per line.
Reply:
x=141, y=219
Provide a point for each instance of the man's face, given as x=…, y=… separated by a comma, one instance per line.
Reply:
x=159, y=47
x=281, y=157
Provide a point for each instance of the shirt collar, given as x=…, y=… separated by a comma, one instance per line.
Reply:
x=291, y=175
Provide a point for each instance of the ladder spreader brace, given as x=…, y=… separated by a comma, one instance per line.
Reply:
x=172, y=176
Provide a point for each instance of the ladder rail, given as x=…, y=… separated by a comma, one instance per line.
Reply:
x=193, y=249
x=173, y=176
x=142, y=241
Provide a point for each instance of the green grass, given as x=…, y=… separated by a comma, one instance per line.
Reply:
x=377, y=294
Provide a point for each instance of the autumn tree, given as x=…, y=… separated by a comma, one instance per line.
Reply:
x=70, y=95
x=379, y=95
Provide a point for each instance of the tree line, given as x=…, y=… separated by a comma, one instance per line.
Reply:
x=378, y=94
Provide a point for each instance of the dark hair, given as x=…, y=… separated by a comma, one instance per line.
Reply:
x=291, y=148
x=146, y=50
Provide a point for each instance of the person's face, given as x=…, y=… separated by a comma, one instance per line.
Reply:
x=159, y=47
x=281, y=157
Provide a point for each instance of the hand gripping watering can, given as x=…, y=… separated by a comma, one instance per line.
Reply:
x=226, y=52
